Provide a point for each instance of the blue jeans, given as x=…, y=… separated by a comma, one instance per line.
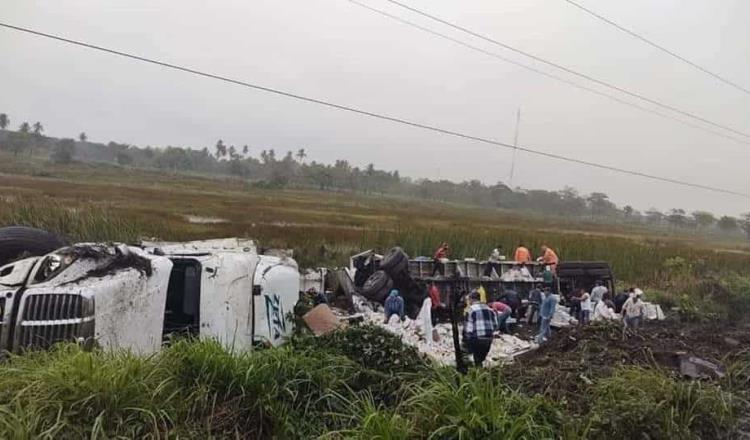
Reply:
x=502, y=318
x=545, y=331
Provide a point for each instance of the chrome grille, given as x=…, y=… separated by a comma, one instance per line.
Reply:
x=49, y=318
x=53, y=307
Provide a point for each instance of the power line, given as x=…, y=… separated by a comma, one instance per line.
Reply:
x=658, y=46
x=545, y=74
x=568, y=69
x=374, y=115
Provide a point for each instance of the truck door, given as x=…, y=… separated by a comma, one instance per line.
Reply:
x=275, y=292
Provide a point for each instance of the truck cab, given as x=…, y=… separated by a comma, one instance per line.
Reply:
x=136, y=297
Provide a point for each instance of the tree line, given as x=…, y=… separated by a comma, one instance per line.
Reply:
x=292, y=170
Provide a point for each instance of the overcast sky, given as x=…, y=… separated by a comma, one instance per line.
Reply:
x=337, y=51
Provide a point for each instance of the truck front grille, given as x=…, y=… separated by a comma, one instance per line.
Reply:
x=48, y=318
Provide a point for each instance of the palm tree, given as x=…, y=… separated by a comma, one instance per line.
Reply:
x=221, y=149
x=245, y=150
x=4, y=121
x=82, y=137
x=24, y=128
x=38, y=128
x=301, y=155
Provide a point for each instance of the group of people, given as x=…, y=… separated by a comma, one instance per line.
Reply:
x=599, y=304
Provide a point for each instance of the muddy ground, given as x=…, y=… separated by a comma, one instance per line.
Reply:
x=564, y=366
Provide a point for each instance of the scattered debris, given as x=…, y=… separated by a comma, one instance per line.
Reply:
x=321, y=320
x=438, y=345
x=697, y=368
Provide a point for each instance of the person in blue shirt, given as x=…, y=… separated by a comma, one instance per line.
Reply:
x=546, y=312
x=394, y=305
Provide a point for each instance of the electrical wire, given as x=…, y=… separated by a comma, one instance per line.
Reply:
x=543, y=73
x=373, y=114
x=568, y=69
x=658, y=46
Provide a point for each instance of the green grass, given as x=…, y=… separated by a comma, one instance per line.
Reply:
x=200, y=390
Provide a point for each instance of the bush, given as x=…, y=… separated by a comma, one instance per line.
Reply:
x=448, y=405
x=640, y=403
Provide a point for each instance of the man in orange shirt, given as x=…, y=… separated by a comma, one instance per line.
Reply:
x=522, y=254
x=549, y=258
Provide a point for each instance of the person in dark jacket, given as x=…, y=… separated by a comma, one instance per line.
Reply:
x=535, y=301
x=511, y=298
x=620, y=299
x=394, y=305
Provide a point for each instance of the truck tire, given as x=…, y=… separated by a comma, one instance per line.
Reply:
x=395, y=262
x=22, y=241
x=377, y=287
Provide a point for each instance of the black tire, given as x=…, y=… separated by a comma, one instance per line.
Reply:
x=377, y=287
x=22, y=241
x=395, y=261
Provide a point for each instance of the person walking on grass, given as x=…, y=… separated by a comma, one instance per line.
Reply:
x=479, y=327
x=394, y=305
x=546, y=312
x=440, y=255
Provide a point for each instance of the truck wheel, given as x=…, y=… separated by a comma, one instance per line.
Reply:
x=395, y=261
x=377, y=287
x=22, y=241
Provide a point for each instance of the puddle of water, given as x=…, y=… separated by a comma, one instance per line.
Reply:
x=196, y=219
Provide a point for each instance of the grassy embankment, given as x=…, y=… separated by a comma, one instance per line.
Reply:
x=361, y=384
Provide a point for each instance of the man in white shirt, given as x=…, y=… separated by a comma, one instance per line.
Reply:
x=633, y=310
x=598, y=292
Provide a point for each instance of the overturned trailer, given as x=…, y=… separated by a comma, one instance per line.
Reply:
x=374, y=275
x=136, y=297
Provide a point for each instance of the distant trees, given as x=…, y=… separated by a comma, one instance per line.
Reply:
x=82, y=137
x=220, y=149
x=4, y=121
x=63, y=151
x=677, y=218
x=37, y=129
x=727, y=224
x=301, y=155
x=703, y=219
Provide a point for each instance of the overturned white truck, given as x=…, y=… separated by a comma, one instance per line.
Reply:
x=136, y=297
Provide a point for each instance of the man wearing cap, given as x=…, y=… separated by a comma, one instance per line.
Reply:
x=633, y=310
x=480, y=324
x=394, y=305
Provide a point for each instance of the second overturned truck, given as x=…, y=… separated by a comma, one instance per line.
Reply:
x=136, y=297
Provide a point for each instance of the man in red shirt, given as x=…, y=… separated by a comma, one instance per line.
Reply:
x=440, y=254
x=502, y=313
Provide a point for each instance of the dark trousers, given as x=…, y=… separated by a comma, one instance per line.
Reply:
x=479, y=347
x=438, y=266
x=533, y=313
x=489, y=267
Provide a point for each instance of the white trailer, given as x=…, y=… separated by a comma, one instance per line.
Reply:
x=134, y=297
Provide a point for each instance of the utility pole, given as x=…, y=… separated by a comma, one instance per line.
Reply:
x=515, y=148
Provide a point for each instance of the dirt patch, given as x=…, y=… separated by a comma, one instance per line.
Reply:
x=574, y=357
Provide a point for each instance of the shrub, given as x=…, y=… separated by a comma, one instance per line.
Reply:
x=640, y=403
x=449, y=405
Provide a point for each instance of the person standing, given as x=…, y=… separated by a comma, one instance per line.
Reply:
x=493, y=262
x=502, y=312
x=586, y=309
x=438, y=257
x=598, y=292
x=535, y=301
x=437, y=304
x=549, y=258
x=633, y=310
x=621, y=298
x=394, y=305
x=522, y=254
x=546, y=312
x=478, y=329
